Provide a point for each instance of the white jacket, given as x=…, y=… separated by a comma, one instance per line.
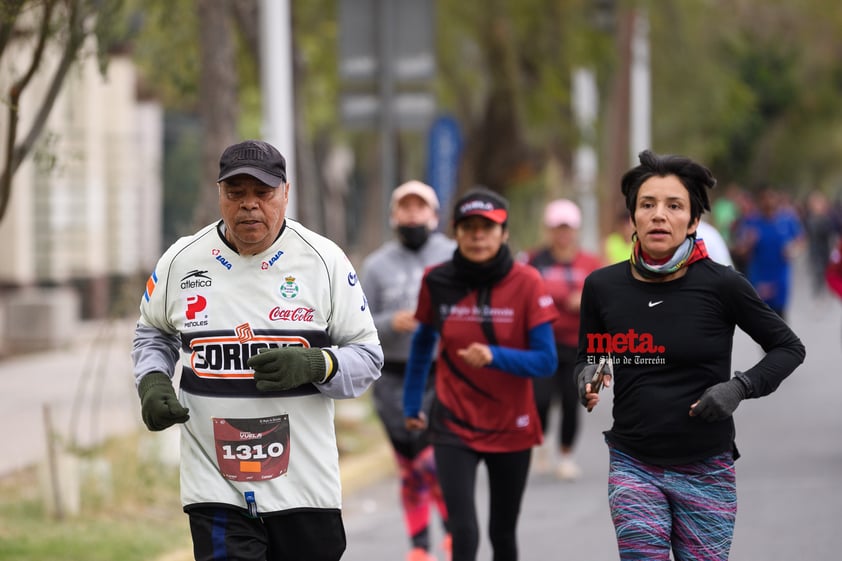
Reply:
x=213, y=308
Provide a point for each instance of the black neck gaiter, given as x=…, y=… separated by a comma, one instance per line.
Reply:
x=477, y=275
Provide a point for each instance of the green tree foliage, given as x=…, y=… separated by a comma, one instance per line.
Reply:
x=165, y=46
x=201, y=58
x=505, y=69
x=316, y=36
x=751, y=88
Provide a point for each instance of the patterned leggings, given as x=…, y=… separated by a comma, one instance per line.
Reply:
x=420, y=489
x=690, y=508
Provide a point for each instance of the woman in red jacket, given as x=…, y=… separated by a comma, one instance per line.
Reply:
x=492, y=320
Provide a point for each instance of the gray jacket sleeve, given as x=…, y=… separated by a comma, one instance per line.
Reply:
x=154, y=351
x=359, y=367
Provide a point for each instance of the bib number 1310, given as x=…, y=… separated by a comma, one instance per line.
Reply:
x=252, y=451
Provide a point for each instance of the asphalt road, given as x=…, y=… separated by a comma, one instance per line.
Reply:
x=789, y=490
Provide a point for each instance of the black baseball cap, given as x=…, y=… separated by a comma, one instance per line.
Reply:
x=256, y=158
x=484, y=202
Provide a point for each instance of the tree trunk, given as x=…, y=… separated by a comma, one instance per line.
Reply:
x=617, y=137
x=218, y=101
x=495, y=153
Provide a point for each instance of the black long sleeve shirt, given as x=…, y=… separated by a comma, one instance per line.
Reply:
x=671, y=341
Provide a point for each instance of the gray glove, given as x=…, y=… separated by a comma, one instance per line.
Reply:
x=721, y=400
x=584, y=378
x=159, y=406
x=289, y=367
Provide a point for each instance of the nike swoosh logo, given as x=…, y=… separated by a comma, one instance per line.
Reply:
x=653, y=304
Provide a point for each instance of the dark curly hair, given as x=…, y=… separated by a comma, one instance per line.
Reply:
x=695, y=177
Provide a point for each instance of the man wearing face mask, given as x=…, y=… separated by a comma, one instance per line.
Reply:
x=391, y=278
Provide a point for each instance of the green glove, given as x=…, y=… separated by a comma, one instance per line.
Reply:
x=159, y=405
x=289, y=367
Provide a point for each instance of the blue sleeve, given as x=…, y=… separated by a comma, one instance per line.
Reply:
x=797, y=230
x=417, y=368
x=539, y=360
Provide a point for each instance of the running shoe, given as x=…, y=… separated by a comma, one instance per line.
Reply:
x=419, y=554
x=447, y=547
x=568, y=470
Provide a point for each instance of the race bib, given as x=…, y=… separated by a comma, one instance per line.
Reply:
x=252, y=449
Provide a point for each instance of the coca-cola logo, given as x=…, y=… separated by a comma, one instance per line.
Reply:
x=297, y=314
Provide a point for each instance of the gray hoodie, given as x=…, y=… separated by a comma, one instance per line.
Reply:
x=391, y=279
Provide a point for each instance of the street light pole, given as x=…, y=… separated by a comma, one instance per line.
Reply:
x=640, y=131
x=276, y=86
x=387, y=93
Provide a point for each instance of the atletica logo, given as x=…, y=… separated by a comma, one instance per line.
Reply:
x=196, y=279
x=632, y=342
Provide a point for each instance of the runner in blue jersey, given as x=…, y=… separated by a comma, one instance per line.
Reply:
x=770, y=238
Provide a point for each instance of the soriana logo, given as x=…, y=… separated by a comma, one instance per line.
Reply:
x=226, y=356
x=631, y=342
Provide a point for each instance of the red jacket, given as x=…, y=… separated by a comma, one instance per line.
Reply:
x=564, y=282
x=833, y=273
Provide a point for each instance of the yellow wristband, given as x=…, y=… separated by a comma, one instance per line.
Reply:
x=328, y=365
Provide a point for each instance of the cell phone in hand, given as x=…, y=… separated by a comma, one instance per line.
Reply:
x=598, y=379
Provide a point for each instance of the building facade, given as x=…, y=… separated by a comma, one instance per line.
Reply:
x=83, y=225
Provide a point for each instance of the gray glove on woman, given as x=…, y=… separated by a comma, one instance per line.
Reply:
x=583, y=379
x=721, y=400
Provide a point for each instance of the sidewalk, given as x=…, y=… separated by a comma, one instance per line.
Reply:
x=86, y=389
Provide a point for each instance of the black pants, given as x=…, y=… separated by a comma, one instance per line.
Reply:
x=507, y=474
x=560, y=386
x=388, y=402
x=226, y=534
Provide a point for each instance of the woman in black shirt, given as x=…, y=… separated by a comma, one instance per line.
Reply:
x=667, y=317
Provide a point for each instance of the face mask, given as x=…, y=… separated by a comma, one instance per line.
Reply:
x=413, y=237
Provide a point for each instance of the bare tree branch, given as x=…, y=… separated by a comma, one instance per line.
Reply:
x=75, y=39
x=9, y=12
x=73, y=20
x=12, y=156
